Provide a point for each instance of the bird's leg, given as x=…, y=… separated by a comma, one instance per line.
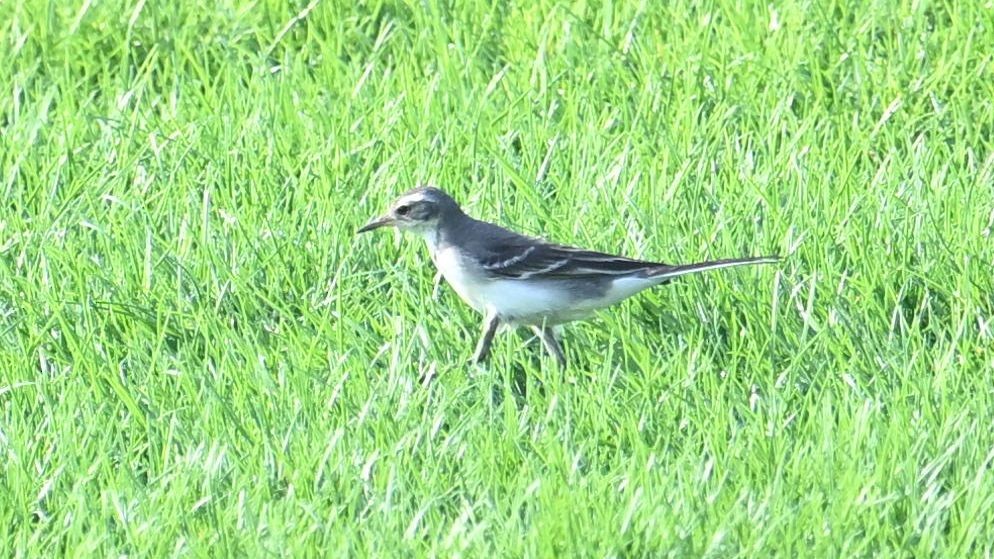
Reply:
x=550, y=342
x=490, y=324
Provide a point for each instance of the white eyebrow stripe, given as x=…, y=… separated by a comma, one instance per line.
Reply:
x=411, y=198
x=511, y=261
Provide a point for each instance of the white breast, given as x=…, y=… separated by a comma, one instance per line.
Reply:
x=516, y=301
x=469, y=288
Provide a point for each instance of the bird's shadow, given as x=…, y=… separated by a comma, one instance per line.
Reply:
x=517, y=379
x=654, y=328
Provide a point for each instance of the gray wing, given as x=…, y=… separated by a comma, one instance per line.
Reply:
x=501, y=253
x=505, y=254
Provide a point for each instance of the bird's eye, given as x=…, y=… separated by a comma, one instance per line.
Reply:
x=403, y=210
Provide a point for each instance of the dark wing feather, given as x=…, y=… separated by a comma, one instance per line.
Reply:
x=501, y=253
x=556, y=261
x=505, y=254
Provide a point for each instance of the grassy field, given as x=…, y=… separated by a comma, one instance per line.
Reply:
x=198, y=357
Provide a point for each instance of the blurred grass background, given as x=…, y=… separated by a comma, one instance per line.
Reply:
x=199, y=358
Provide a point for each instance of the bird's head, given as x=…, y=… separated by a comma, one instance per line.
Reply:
x=418, y=211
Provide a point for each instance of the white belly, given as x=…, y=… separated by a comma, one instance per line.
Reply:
x=524, y=302
x=509, y=298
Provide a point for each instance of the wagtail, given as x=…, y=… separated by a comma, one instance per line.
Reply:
x=525, y=281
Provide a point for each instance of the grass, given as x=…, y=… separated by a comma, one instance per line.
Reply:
x=199, y=358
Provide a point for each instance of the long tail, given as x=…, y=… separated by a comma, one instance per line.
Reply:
x=667, y=272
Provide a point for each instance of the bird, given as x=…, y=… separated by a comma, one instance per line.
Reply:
x=525, y=281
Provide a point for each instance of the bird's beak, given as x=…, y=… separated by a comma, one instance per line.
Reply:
x=376, y=224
